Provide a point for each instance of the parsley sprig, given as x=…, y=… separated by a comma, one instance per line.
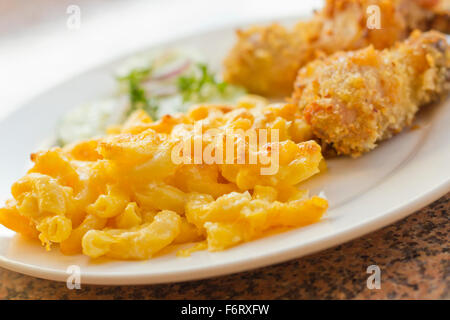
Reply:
x=137, y=94
x=192, y=86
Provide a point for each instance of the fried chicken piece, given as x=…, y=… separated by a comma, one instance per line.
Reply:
x=265, y=60
x=354, y=99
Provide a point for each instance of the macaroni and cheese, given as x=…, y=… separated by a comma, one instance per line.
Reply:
x=123, y=196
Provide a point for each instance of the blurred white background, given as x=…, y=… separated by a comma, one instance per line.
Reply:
x=38, y=50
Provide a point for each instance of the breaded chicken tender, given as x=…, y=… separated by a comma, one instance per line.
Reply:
x=266, y=59
x=354, y=99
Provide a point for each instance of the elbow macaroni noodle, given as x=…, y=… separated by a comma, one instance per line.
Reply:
x=219, y=175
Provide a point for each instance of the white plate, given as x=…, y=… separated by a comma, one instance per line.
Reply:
x=400, y=176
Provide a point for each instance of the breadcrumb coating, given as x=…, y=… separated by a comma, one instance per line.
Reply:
x=265, y=59
x=352, y=100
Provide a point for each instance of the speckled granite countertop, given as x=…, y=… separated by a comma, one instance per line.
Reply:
x=413, y=256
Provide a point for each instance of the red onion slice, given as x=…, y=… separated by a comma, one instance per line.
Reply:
x=172, y=73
